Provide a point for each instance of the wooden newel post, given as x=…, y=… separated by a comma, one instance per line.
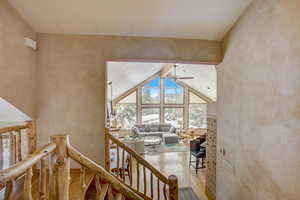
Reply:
x=173, y=187
x=62, y=165
x=107, y=154
x=32, y=137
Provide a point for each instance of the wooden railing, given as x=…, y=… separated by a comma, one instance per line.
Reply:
x=54, y=173
x=8, y=176
x=12, y=137
x=140, y=173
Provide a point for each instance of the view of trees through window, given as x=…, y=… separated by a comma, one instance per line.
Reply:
x=126, y=115
x=174, y=93
x=150, y=115
x=197, y=112
x=174, y=116
x=172, y=106
x=151, y=92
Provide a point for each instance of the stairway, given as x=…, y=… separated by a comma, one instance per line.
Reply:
x=47, y=174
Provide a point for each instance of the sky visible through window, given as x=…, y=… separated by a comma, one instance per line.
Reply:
x=169, y=83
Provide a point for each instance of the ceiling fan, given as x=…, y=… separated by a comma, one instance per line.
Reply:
x=175, y=77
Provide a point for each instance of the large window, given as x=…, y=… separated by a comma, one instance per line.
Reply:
x=174, y=116
x=151, y=92
x=162, y=101
x=150, y=115
x=126, y=112
x=197, y=112
x=174, y=93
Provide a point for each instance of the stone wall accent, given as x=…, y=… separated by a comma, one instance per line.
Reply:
x=211, y=154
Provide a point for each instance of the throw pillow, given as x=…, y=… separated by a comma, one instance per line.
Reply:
x=172, y=129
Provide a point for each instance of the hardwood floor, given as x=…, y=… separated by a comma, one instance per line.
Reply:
x=177, y=163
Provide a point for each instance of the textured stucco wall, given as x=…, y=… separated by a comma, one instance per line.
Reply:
x=259, y=105
x=17, y=62
x=71, y=80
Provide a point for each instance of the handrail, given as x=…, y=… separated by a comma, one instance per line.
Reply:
x=118, y=185
x=14, y=134
x=171, y=182
x=21, y=167
x=13, y=128
x=140, y=159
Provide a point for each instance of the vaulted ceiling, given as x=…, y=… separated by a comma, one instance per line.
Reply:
x=126, y=75
x=198, y=19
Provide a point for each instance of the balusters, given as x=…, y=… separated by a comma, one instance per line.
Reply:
x=98, y=184
x=27, y=184
x=19, y=146
x=9, y=190
x=165, y=191
x=151, y=178
x=12, y=138
x=145, y=180
x=123, y=165
x=158, y=189
x=43, y=179
x=130, y=170
x=118, y=161
x=138, y=175
x=82, y=177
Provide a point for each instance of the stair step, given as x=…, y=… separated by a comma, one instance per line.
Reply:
x=77, y=192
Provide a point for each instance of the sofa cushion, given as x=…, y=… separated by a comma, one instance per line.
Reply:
x=153, y=127
x=141, y=127
x=144, y=134
x=164, y=127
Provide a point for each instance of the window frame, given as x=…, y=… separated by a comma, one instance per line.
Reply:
x=173, y=104
x=162, y=105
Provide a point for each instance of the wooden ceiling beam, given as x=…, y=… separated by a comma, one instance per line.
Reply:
x=166, y=70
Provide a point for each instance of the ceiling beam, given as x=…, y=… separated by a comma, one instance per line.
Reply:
x=166, y=70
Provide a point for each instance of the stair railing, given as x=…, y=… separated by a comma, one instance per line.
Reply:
x=55, y=174
x=140, y=172
x=8, y=176
x=12, y=137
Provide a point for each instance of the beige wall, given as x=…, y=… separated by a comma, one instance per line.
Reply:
x=71, y=80
x=17, y=62
x=259, y=105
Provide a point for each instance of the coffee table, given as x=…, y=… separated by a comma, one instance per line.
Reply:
x=152, y=140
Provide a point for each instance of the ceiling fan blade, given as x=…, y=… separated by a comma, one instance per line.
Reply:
x=185, y=77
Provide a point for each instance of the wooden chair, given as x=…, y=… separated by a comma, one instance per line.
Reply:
x=197, y=151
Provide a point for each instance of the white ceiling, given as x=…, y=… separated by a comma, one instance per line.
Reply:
x=9, y=113
x=198, y=19
x=126, y=75
x=205, y=78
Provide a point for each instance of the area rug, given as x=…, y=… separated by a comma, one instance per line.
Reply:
x=187, y=193
x=164, y=148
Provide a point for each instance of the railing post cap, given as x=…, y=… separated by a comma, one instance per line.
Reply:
x=172, y=178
